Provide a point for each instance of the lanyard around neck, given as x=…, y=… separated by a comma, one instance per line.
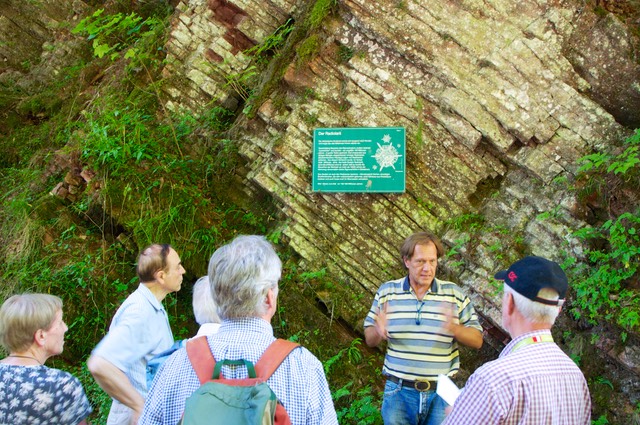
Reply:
x=532, y=340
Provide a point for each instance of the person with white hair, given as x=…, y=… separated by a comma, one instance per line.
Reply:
x=204, y=308
x=533, y=381
x=243, y=279
x=204, y=311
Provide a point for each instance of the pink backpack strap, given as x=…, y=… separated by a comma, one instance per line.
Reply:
x=201, y=358
x=273, y=356
x=203, y=361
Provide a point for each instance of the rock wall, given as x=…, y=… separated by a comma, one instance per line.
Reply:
x=499, y=99
x=493, y=109
x=27, y=26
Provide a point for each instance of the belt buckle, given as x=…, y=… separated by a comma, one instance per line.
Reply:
x=422, y=385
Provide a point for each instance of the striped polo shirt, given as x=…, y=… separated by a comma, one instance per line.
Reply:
x=418, y=347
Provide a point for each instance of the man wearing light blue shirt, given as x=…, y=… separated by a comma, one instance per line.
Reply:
x=139, y=330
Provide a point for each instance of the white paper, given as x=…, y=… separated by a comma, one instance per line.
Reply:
x=447, y=389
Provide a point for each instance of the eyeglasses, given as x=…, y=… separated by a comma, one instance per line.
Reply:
x=419, y=305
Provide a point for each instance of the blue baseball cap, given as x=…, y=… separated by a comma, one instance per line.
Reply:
x=529, y=275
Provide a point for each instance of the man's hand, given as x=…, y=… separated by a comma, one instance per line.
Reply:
x=377, y=333
x=470, y=337
x=135, y=416
x=381, y=322
x=451, y=321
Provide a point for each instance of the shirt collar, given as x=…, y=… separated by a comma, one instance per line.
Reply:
x=435, y=286
x=148, y=295
x=509, y=348
x=253, y=324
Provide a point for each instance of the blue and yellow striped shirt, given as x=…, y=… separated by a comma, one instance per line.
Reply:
x=418, y=346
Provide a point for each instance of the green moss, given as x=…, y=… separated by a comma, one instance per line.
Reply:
x=321, y=9
x=41, y=105
x=600, y=11
x=307, y=50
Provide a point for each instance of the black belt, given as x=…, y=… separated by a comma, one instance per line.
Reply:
x=422, y=385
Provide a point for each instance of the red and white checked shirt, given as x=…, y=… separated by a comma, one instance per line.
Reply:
x=534, y=384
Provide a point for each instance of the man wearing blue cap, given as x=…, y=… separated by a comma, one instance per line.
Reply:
x=533, y=381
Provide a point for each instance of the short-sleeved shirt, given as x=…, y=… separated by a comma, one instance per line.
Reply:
x=139, y=330
x=299, y=382
x=418, y=347
x=38, y=395
x=531, y=383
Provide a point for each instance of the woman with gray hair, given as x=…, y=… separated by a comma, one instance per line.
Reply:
x=32, y=330
x=204, y=309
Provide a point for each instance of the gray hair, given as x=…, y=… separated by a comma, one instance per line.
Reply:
x=241, y=273
x=22, y=315
x=204, y=309
x=533, y=311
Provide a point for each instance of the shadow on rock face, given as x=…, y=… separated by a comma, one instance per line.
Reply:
x=604, y=51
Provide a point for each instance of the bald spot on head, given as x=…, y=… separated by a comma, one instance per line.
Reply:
x=152, y=259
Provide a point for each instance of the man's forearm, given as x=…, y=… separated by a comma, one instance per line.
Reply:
x=115, y=383
x=468, y=336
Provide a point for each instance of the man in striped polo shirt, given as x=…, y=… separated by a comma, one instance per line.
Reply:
x=422, y=319
x=533, y=381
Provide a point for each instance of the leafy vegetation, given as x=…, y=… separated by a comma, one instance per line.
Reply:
x=607, y=284
x=272, y=45
x=138, y=175
x=364, y=408
x=134, y=173
x=114, y=34
x=602, y=286
x=361, y=407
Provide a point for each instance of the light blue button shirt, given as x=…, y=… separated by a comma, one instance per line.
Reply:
x=139, y=330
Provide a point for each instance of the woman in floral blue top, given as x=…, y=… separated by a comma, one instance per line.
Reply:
x=32, y=330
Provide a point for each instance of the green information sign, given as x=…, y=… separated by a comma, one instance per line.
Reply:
x=359, y=159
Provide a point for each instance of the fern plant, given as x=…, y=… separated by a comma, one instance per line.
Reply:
x=119, y=35
x=606, y=285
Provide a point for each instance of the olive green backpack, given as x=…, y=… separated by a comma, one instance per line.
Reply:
x=224, y=401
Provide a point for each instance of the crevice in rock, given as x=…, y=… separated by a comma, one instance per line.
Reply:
x=484, y=189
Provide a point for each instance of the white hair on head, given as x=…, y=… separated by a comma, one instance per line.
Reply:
x=241, y=273
x=533, y=311
x=204, y=309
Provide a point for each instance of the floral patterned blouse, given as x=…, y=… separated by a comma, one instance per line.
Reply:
x=38, y=395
